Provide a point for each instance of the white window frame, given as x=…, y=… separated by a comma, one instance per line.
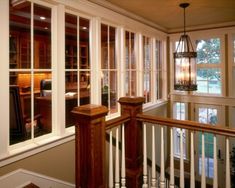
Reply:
x=60, y=134
x=175, y=130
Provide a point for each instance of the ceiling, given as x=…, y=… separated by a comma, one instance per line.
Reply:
x=168, y=15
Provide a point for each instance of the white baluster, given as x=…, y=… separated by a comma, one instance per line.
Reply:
x=110, y=160
x=162, y=171
x=117, y=177
x=123, y=168
x=172, y=175
x=228, y=180
x=192, y=173
x=203, y=177
x=153, y=179
x=145, y=176
x=181, y=159
x=215, y=179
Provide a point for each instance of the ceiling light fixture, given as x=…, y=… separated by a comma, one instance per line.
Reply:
x=185, y=62
x=42, y=18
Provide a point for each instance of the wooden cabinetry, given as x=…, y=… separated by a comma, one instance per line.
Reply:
x=20, y=51
x=72, y=60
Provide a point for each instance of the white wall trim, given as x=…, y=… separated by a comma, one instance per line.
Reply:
x=22, y=177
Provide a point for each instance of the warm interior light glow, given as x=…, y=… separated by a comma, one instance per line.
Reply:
x=42, y=17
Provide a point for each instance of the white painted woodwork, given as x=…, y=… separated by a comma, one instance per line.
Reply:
x=123, y=168
x=227, y=172
x=181, y=159
x=110, y=160
x=145, y=173
x=192, y=168
x=172, y=175
x=215, y=179
x=203, y=177
x=162, y=170
x=117, y=169
x=153, y=178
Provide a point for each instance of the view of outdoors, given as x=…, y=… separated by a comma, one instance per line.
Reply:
x=208, y=66
x=209, y=116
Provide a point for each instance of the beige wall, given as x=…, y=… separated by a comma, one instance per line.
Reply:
x=57, y=162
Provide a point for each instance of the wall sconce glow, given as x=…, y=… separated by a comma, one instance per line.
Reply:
x=185, y=62
x=42, y=18
x=84, y=28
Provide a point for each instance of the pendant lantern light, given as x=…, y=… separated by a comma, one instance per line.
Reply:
x=185, y=62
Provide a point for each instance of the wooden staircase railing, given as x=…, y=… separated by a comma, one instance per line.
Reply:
x=91, y=130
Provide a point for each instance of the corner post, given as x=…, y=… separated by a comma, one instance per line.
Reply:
x=90, y=146
x=133, y=140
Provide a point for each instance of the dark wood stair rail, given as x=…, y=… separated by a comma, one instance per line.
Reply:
x=90, y=142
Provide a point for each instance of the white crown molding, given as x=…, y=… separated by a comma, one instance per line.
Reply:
x=203, y=27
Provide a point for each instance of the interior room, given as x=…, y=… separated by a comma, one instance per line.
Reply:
x=61, y=54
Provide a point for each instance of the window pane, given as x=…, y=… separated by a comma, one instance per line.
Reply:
x=209, y=80
x=85, y=92
x=208, y=51
x=20, y=47
x=42, y=37
x=42, y=103
x=20, y=107
x=70, y=41
x=112, y=51
x=158, y=71
x=104, y=46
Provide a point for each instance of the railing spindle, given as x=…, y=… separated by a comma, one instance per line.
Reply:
x=181, y=159
x=117, y=177
x=162, y=172
x=123, y=168
x=203, y=177
x=192, y=173
x=172, y=176
x=228, y=180
x=153, y=179
x=215, y=179
x=145, y=176
x=110, y=160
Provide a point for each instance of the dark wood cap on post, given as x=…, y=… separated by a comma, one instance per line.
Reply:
x=90, y=145
x=133, y=140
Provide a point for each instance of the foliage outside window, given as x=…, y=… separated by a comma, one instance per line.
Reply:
x=77, y=65
x=208, y=116
x=130, y=64
x=108, y=68
x=180, y=114
x=30, y=72
x=209, y=66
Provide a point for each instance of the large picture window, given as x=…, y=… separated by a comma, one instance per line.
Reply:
x=30, y=71
x=209, y=66
x=147, y=69
x=77, y=64
x=180, y=114
x=130, y=64
x=108, y=68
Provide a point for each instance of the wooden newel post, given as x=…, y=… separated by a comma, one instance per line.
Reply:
x=133, y=140
x=90, y=146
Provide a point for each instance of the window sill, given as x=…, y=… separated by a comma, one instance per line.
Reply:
x=26, y=149
x=151, y=106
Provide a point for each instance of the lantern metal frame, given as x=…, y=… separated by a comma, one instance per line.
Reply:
x=185, y=62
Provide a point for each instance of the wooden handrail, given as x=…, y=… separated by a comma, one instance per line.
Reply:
x=190, y=125
x=117, y=121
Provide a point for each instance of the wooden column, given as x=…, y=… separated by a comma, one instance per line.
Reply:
x=90, y=146
x=133, y=140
